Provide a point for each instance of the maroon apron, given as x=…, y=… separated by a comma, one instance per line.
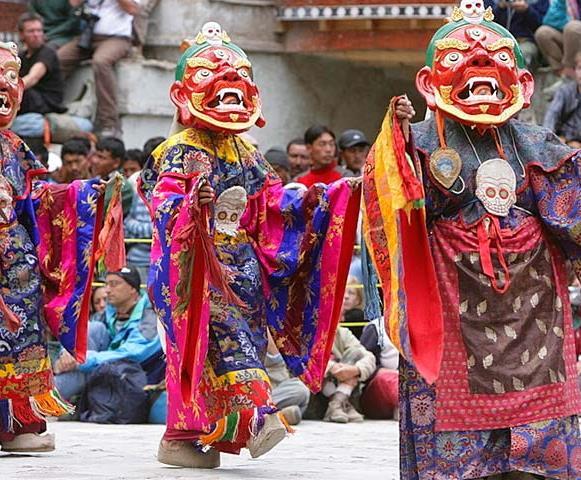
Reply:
x=509, y=353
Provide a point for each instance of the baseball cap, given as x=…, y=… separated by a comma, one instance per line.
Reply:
x=350, y=138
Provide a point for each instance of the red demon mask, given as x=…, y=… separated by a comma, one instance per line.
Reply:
x=476, y=74
x=214, y=88
x=11, y=86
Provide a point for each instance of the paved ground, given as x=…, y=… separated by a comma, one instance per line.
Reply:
x=318, y=450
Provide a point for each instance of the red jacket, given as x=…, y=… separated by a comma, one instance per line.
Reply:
x=324, y=175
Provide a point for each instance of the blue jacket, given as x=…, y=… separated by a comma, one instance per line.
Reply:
x=136, y=340
x=557, y=16
x=521, y=25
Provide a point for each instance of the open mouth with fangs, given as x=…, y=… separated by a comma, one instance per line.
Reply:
x=481, y=89
x=5, y=107
x=228, y=100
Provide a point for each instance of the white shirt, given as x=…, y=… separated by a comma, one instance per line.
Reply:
x=113, y=21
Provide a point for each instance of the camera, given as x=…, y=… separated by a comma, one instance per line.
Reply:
x=88, y=19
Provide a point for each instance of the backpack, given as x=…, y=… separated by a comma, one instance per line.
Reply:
x=115, y=394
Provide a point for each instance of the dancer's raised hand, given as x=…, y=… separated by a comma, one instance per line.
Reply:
x=205, y=194
x=404, y=111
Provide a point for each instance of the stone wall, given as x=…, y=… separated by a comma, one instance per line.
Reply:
x=297, y=91
x=251, y=24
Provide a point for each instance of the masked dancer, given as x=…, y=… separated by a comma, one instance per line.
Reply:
x=472, y=219
x=235, y=254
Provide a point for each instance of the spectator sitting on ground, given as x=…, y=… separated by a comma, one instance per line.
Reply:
x=75, y=165
x=563, y=116
x=298, y=157
x=559, y=39
x=350, y=365
x=61, y=24
x=277, y=158
x=522, y=18
x=106, y=161
x=110, y=42
x=380, y=398
x=125, y=330
x=40, y=70
x=289, y=394
x=133, y=162
x=98, y=300
x=353, y=150
x=322, y=149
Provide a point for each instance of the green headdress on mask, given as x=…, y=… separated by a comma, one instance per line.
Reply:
x=210, y=36
x=457, y=20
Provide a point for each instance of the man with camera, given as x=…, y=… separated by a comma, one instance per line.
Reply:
x=105, y=39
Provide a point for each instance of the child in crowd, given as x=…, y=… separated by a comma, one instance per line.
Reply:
x=350, y=366
x=98, y=300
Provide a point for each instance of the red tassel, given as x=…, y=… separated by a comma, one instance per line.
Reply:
x=12, y=321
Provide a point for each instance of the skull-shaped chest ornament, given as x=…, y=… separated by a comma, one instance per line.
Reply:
x=496, y=186
x=6, y=201
x=229, y=209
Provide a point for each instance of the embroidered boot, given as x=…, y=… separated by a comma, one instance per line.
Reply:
x=335, y=411
x=29, y=442
x=271, y=434
x=185, y=454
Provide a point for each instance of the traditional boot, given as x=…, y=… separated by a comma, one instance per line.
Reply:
x=29, y=443
x=336, y=411
x=272, y=432
x=183, y=454
x=352, y=414
x=293, y=414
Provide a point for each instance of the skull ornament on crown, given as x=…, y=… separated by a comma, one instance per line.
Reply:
x=212, y=33
x=496, y=186
x=214, y=88
x=473, y=10
x=475, y=71
x=11, y=86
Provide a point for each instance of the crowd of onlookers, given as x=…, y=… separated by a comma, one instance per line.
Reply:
x=56, y=36
x=361, y=378
x=362, y=372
